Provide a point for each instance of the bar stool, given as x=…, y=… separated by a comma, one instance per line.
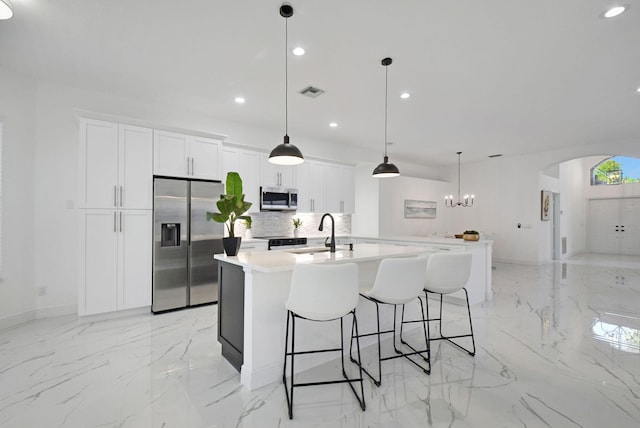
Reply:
x=322, y=293
x=398, y=281
x=448, y=273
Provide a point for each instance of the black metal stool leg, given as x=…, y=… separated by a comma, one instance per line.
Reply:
x=449, y=339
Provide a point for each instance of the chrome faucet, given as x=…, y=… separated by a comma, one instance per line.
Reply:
x=332, y=243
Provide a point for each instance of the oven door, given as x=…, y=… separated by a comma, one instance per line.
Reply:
x=275, y=199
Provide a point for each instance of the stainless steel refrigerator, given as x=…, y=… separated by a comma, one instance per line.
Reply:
x=184, y=242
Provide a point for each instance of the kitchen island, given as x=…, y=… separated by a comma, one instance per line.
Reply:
x=253, y=287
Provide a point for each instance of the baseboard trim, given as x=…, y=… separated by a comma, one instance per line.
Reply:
x=56, y=311
x=17, y=319
x=517, y=262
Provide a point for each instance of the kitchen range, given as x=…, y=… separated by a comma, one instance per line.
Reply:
x=283, y=242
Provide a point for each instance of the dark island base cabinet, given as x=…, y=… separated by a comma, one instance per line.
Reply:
x=231, y=312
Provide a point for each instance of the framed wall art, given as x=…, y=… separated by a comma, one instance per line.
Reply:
x=419, y=209
x=545, y=205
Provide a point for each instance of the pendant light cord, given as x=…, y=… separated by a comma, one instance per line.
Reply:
x=286, y=77
x=386, y=92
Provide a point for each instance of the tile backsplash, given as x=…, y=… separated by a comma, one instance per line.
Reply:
x=281, y=224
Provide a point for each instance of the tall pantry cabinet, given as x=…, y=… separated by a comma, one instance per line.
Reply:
x=115, y=201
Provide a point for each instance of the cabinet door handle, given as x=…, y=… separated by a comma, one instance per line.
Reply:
x=121, y=203
x=188, y=173
x=114, y=221
x=192, y=173
x=120, y=221
x=115, y=196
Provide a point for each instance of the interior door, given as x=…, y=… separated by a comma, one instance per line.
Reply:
x=614, y=227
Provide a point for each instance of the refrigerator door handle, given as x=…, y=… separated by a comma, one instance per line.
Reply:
x=115, y=196
x=114, y=221
x=120, y=221
x=121, y=203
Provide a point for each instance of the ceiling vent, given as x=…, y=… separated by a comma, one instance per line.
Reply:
x=312, y=92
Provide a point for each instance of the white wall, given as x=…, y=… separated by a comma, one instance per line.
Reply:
x=393, y=193
x=17, y=113
x=545, y=244
x=365, y=220
x=41, y=158
x=573, y=179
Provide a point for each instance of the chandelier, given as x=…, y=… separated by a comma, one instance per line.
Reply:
x=467, y=201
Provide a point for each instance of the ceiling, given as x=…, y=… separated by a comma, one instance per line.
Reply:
x=485, y=77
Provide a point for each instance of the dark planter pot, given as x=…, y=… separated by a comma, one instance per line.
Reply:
x=231, y=245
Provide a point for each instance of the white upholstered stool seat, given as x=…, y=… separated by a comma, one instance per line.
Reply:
x=398, y=282
x=448, y=273
x=321, y=293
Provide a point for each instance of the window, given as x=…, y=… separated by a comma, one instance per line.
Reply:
x=616, y=170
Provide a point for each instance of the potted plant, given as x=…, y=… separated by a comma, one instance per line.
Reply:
x=296, y=224
x=232, y=206
x=471, y=235
x=247, y=224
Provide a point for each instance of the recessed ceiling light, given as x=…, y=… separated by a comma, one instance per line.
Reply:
x=240, y=100
x=405, y=95
x=333, y=124
x=615, y=11
x=638, y=90
x=298, y=51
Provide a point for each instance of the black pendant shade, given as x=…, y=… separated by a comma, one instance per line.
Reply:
x=286, y=153
x=386, y=169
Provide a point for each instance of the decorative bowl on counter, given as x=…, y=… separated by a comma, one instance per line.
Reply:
x=470, y=235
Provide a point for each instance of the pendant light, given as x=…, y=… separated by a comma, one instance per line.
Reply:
x=386, y=169
x=6, y=11
x=466, y=202
x=286, y=153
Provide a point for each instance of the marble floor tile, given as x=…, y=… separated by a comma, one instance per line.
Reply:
x=559, y=346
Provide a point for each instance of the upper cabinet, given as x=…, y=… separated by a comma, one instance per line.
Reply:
x=179, y=155
x=340, y=189
x=115, y=166
x=312, y=178
x=276, y=175
x=247, y=164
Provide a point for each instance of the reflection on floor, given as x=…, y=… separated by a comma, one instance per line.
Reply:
x=558, y=347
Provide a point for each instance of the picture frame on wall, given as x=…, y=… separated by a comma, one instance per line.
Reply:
x=419, y=209
x=545, y=205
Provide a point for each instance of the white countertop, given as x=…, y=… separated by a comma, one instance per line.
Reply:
x=426, y=240
x=275, y=261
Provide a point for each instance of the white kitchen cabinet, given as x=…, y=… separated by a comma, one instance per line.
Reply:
x=115, y=262
x=340, y=189
x=247, y=164
x=273, y=175
x=115, y=166
x=134, y=258
x=311, y=178
x=179, y=155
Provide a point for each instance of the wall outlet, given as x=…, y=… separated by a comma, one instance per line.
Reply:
x=42, y=291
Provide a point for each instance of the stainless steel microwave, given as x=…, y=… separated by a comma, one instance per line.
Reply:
x=278, y=199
